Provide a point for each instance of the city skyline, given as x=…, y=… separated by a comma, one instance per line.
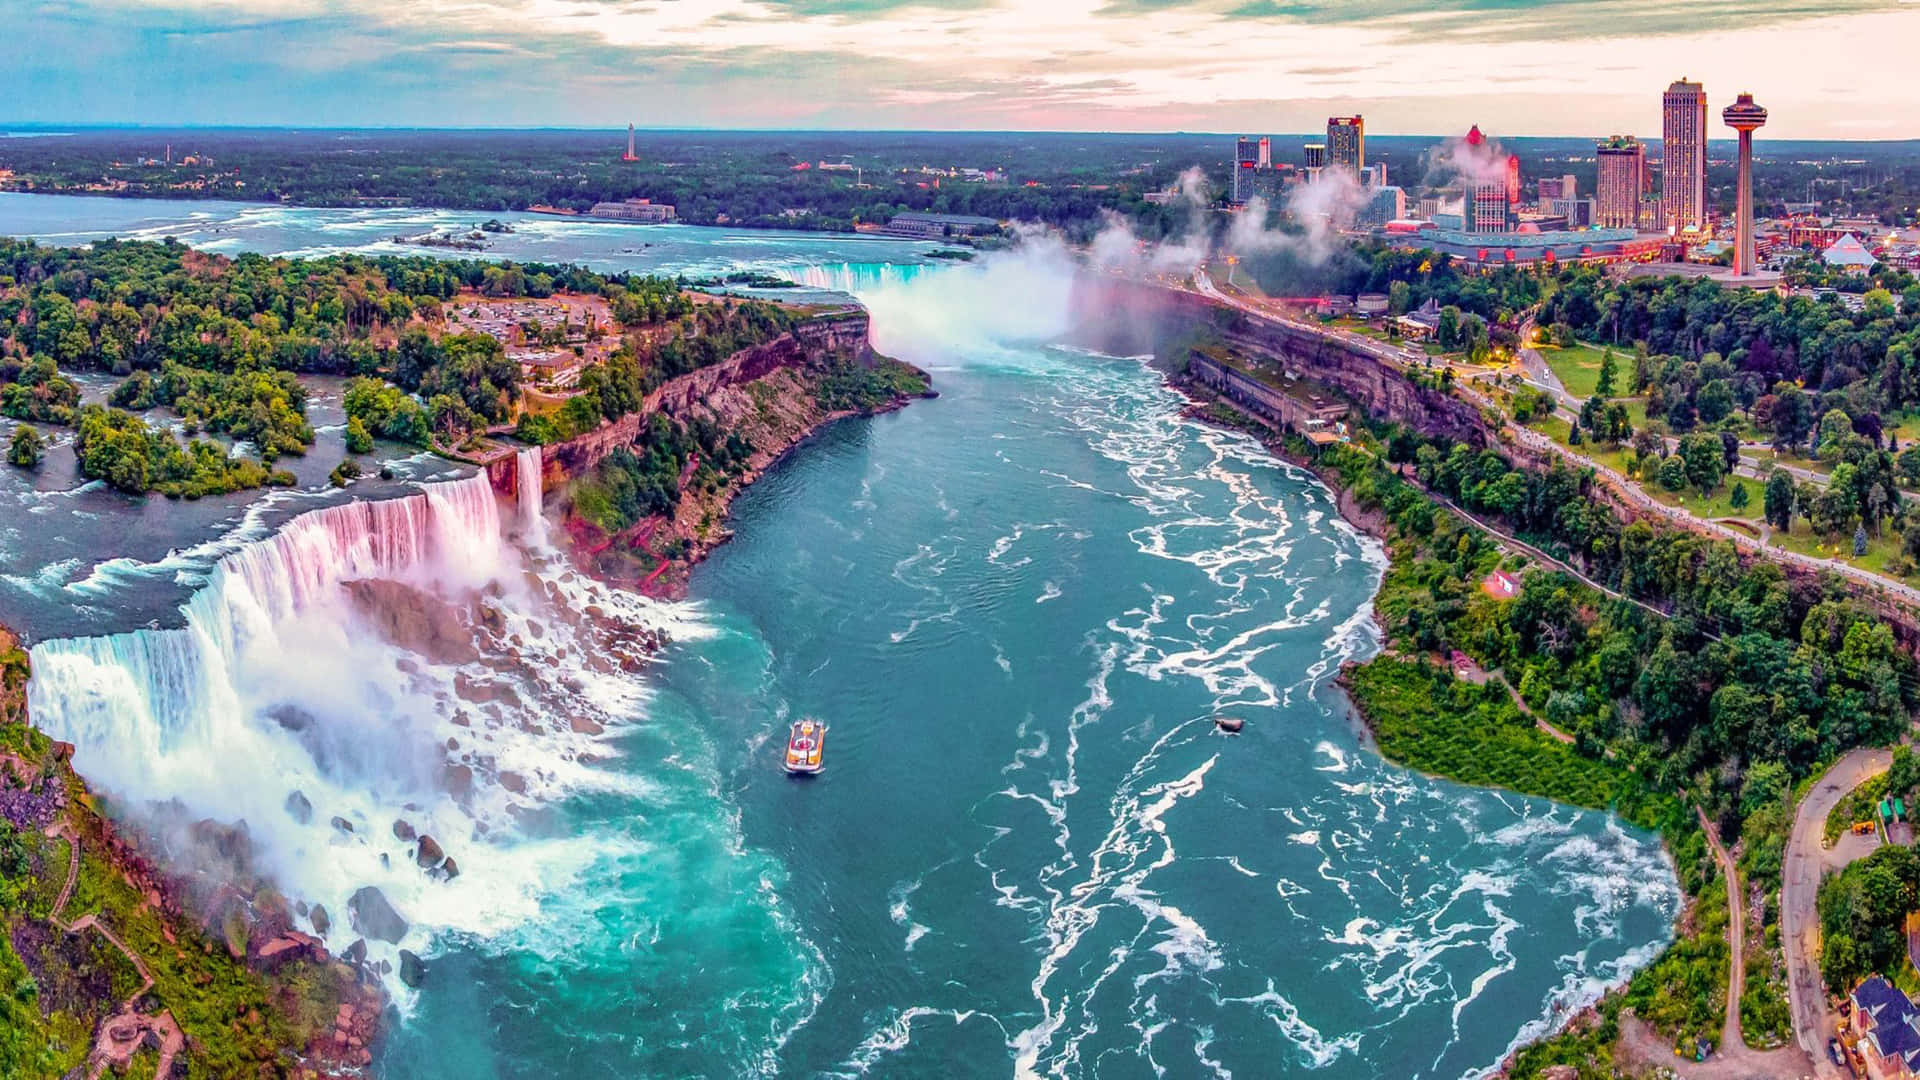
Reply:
x=1530, y=67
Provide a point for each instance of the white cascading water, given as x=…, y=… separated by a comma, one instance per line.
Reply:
x=935, y=312
x=529, y=491
x=852, y=278
x=389, y=660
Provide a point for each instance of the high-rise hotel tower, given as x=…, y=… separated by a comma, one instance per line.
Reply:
x=1683, y=159
x=1347, y=143
x=1622, y=182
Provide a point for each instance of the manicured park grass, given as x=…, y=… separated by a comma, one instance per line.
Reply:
x=1578, y=368
x=1719, y=504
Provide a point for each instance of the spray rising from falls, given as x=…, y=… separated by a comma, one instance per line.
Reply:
x=933, y=314
x=373, y=671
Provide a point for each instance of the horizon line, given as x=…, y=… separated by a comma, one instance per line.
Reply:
x=55, y=127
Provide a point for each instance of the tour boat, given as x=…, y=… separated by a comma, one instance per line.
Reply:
x=804, y=747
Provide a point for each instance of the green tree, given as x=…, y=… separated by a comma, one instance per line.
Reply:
x=1767, y=782
x=1715, y=401
x=1673, y=473
x=1836, y=427
x=1738, y=497
x=1903, y=773
x=1704, y=463
x=1609, y=371
x=1447, y=331
x=1777, y=500
x=1792, y=416
x=359, y=441
x=27, y=448
x=348, y=470
x=1399, y=297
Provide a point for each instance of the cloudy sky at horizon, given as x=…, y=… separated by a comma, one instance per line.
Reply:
x=1825, y=68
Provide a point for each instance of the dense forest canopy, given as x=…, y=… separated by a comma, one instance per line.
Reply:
x=221, y=341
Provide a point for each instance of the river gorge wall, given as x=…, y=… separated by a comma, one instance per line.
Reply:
x=842, y=333
x=767, y=394
x=1125, y=317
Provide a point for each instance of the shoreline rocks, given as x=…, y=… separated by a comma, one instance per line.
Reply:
x=369, y=913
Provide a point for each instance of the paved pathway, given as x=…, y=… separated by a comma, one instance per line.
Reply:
x=1807, y=862
x=91, y=922
x=1731, y=1040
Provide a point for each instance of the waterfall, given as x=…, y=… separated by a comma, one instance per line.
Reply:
x=927, y=312
x=854, y=279
x=530, y=493
x=386, y=660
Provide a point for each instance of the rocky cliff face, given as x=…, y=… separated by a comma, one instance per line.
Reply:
x=766, y=394
x=841, y=334
x=1124, y=317
x=1383, y=392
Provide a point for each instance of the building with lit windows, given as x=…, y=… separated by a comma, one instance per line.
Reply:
x=1622, y=182
x=1347, y=143
x=1246, y=160
x=1683, y=159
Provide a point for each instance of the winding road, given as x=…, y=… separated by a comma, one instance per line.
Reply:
x=1808, y=860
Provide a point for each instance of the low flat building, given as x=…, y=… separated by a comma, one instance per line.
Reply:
x=1281, y=400
x=1421, y=323
x=1533, y=248
x=645, y=211
x=559, y=368
x=921, y=226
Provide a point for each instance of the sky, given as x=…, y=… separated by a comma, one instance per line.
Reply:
x=1825, y=68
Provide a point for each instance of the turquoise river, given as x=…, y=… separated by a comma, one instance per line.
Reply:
x=1018, y=606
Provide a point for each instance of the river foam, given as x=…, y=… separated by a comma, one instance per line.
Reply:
x=415, y=659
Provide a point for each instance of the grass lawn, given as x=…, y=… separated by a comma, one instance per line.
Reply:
x=1578, y=368
x=1224, y=276
x=1881, y=549
x=1717, y=505
x=1363, y=327
x=1858, y=805
x=1907, y=430
x=1612, y=456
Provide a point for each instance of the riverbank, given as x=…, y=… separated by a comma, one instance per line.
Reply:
x=1420, y=714
x=777, y=414
x=703, y=437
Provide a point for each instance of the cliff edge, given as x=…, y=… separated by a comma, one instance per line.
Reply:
x=644, y=498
